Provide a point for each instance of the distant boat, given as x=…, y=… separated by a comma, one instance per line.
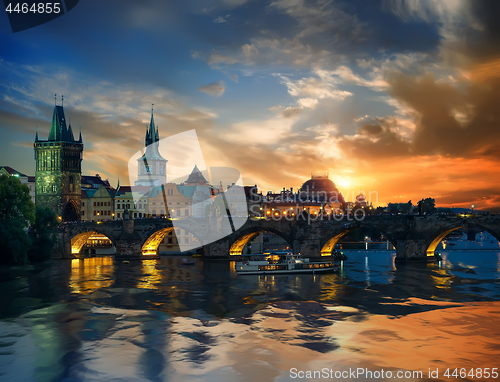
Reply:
x=288, y=263
x=126, y=262
x=188, y=262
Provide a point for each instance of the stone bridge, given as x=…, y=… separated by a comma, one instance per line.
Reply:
x=414, y=237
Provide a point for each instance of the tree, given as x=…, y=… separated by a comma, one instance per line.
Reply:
x=16, y=215
x=45, y=236
x=428, y=205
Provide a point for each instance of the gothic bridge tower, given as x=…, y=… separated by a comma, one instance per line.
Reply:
x=58, y=169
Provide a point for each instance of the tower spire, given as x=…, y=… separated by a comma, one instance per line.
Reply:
x=151, y=135
x=62, y=100
x=55, y=99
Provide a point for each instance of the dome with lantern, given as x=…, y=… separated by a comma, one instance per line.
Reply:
x=320, y=189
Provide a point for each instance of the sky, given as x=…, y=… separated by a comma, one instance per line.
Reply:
x=398, y=99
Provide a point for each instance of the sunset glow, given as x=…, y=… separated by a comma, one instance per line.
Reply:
x=387, y=97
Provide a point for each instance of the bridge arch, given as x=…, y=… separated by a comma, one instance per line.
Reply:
x=436, y=239
x=244, y=237
x=80, y=239
x=155, y=238
x=329, y=245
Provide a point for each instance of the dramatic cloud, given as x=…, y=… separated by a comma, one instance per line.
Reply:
x=398, y=97
x=215, y=89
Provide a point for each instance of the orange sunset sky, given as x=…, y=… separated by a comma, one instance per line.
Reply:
x=399, y=99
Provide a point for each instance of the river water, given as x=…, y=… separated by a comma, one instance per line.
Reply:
x=160, y=320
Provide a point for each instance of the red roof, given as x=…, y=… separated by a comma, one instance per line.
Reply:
x=11, y=171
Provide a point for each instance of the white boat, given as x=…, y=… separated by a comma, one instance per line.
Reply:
x=275, y=263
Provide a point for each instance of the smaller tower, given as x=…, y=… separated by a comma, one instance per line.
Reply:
x=152, y=167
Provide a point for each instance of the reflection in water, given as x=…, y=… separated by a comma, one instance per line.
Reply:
x=88, y=275
x=151, y=275
x=100, y=343
x=162, y=320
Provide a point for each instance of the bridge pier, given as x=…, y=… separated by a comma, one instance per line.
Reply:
x=308, y=247
x=218, y=249
x=413, y=250
x=65, y=250
x=130, y=248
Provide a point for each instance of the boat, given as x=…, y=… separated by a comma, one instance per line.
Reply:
x=188, y=262
x=277, y=263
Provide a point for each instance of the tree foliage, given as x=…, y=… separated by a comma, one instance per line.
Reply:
x=45, y=235
x=16, y=215
x=427, y=206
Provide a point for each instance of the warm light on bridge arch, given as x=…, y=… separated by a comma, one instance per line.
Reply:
x=237, y=247
x=435, y=242
x=78, y=241
x=150, y=246
x=152, y=243
x=431, y=249
x=329, y=246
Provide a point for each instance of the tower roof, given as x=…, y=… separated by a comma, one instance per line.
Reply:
x=151, y=132
x=152, y=142
x=58, y=129
x=196, y=177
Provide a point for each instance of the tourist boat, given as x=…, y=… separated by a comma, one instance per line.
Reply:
x=277, y=263
x=188, y=262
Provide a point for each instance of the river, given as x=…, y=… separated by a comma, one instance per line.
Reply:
x=159, y=320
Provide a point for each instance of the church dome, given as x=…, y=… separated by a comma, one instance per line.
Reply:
x=320, y=188
x=318, y=184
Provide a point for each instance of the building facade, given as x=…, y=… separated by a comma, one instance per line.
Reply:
x=98, y=204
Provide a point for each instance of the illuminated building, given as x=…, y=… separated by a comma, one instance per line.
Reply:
x=316, y=196
x=58, y=169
